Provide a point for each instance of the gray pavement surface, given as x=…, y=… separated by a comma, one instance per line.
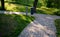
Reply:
x=42, y=26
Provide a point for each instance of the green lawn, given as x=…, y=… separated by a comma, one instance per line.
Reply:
x=12, y=25
x=45, y=10
x=57, y=23
x=20, y=6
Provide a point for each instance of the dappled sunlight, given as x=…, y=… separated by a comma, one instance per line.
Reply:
x=46, y=10
x=23, y=17
x=11, y=12
x=42, y=26
x=39, y=26
x=14, y=7
x=9, y=6
x=36, y=25
x=36, y=28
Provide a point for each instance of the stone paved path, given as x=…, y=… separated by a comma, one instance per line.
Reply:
x=42, y=26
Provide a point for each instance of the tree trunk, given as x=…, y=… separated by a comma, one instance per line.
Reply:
x=34, y=5
x=2, y=4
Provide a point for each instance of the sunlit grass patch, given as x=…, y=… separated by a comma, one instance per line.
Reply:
x=20, y=6
x=46, y=10
x=16, y=7
x=0, y=3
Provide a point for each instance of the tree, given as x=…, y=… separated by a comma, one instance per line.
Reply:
x=53, y=3
x=57, y=3
x=35, y=4
x=2, y=4
x=49, y=3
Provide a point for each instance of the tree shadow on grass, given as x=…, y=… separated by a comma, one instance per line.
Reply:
x=24, y=3
x=19, y=3
x=12, y=25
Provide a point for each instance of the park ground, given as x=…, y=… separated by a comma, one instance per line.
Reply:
x=13, y=24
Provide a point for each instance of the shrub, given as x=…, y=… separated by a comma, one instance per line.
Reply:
x=57, y=13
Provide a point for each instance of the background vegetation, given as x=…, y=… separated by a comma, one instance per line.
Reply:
x=57, y=24
x=14, y=24
x=43, y=6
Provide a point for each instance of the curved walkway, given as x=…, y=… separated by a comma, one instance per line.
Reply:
x=42, y=26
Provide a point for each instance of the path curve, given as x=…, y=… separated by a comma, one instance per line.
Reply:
x=42, y=26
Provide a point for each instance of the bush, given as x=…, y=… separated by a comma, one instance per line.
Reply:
x=57, y=24
x=57, y=13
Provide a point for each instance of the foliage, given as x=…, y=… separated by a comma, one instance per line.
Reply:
x=45, y=10
x=53, y=3
x=57, y=13
x=20, y=6
x=12, y=25
x=57, y=24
